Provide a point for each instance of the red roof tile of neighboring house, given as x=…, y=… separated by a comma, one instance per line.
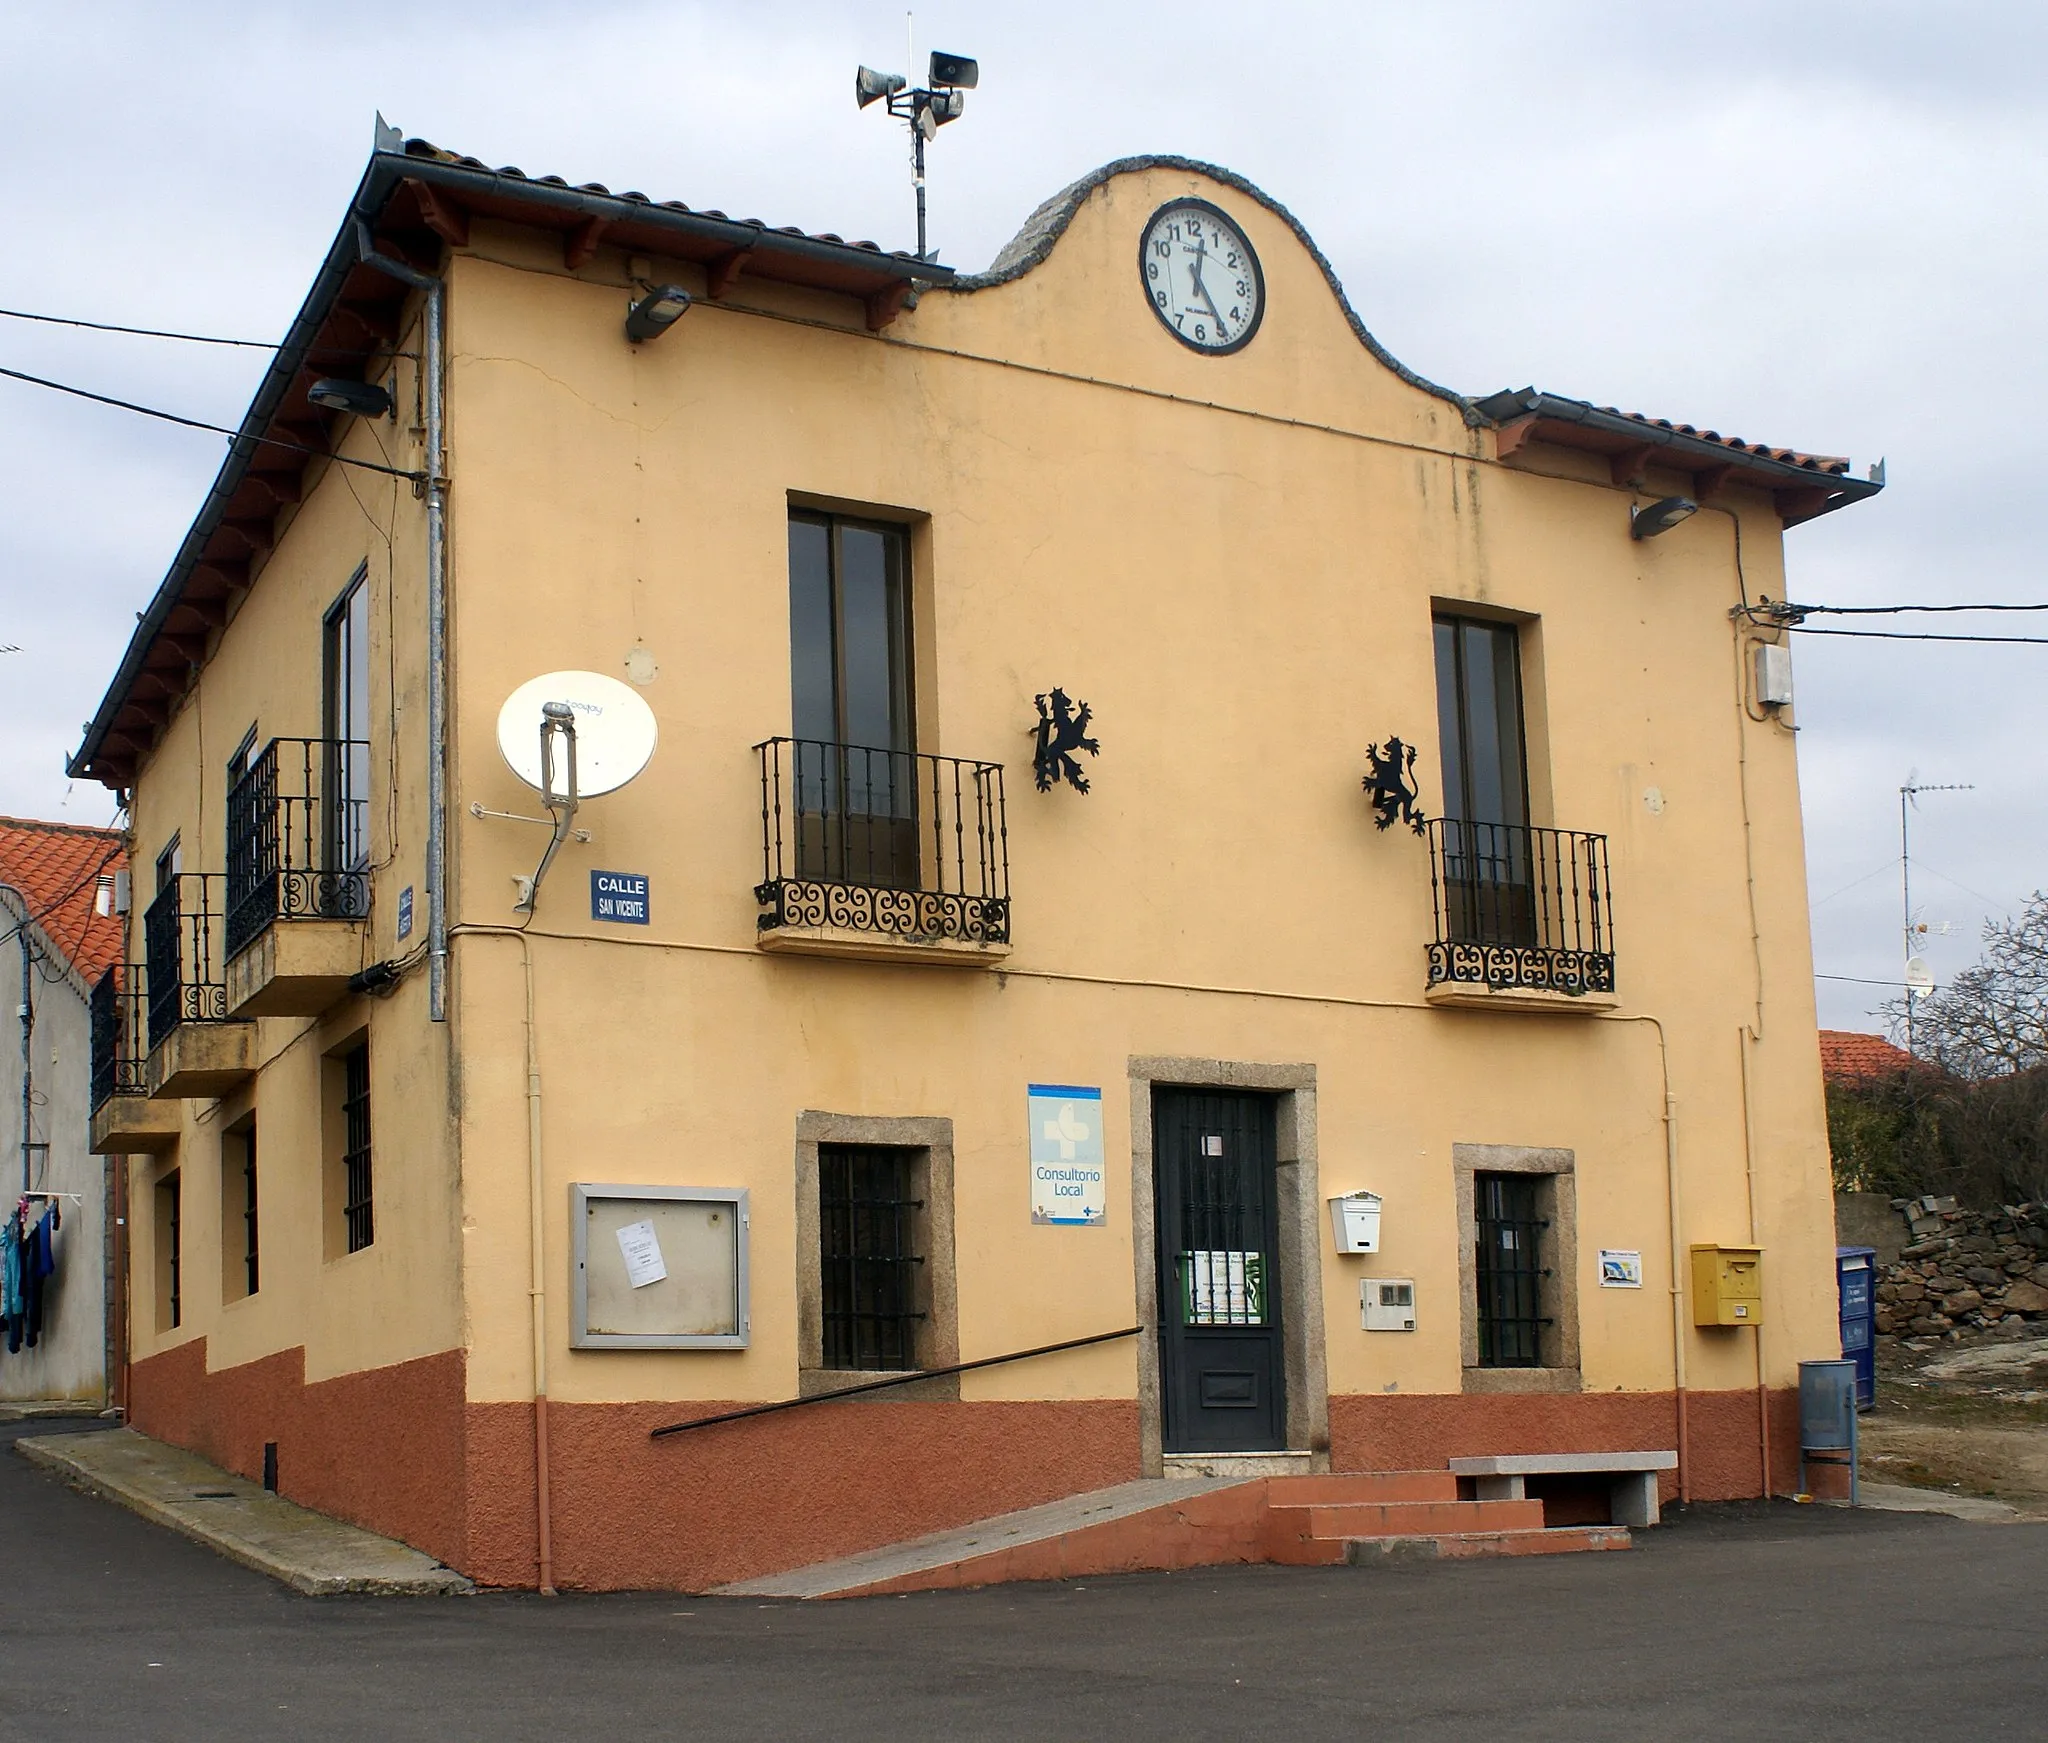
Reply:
x=58, y=867
x=1847, y=1057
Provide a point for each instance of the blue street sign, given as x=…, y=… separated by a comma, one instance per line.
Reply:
x=620, y=897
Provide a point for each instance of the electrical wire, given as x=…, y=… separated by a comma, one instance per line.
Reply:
x=138, y=332
x=217, y=429
x=1889, y=610
x=1907, y=635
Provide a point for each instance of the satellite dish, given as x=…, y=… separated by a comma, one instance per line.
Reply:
x=615, y=730
x=1919, y=977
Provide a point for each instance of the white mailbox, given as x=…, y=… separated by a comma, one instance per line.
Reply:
x=1355, y=1222
x=1387, y=1303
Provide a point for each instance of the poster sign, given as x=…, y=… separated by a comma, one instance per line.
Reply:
x=1222, y=1288
x=619, y=897
x=1620, y=1269
x=1066, y=1154
x=641, y=1249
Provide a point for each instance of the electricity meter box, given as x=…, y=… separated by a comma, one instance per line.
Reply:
x=1727, y=1285
x=1388, y=1303
x=1355, y=1222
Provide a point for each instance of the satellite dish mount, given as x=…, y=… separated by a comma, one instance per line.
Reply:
x=568, y=762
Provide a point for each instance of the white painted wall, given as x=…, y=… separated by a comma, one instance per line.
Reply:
x=69, y=1360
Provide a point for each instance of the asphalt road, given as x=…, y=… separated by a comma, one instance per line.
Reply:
x=1733, y=1624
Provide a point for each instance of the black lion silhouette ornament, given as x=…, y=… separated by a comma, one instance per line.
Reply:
x=1391, y=786
x=1062, y=730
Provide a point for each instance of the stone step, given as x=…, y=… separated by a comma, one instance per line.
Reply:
x=1362, y=1486
x=1448, y=1545
x=1401, y=1519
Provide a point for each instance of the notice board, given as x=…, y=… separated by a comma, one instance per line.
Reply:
x=659, y=1267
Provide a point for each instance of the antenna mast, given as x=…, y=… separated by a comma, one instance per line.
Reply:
x=1908, y=798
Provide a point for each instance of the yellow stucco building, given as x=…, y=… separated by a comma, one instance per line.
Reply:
x=853, y=1037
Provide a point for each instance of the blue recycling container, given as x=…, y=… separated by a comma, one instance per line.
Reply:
x=1856, y=1283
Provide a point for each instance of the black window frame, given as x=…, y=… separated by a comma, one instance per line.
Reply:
x=171, y=1194
x=358, y=1200
x=901, y=629
x=869, y=1264
x=1508, y=1220
x=345, y=636
x=250, y=1263
x=1456, y=738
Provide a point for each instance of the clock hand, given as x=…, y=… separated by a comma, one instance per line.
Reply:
x=1202, y=290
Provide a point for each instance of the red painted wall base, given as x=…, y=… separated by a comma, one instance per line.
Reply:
x=400, y=1451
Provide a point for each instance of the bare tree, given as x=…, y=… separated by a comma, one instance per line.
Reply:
x=1991, y=1020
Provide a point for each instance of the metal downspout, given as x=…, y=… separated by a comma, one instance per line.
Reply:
x=431, y=371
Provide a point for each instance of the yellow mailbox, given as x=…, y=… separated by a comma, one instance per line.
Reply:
x=1727, y=1285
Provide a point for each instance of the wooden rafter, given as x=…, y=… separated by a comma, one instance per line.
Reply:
x=1630, y=468
x=1511, y=438
x=886, y=304
x=723, y=273
x=579, y=246
x=1708, y=481
x=441, y=215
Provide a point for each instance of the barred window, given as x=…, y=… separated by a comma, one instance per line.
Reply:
x=868, y=1221
x=169, y=1265
x=249, y=1265
x=356, y=1207
x=1510, y=1270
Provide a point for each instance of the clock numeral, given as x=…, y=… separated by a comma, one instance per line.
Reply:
x=1162, y=249
x=1152, y=271
x=1244, y=287
x=1159, y=297
x=1201, y=332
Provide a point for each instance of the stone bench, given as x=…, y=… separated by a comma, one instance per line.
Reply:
x=1632, y=1493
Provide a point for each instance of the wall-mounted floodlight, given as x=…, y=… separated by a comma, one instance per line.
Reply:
x=870, y=86
x=363, y=399
x=1660, y=517
x=656, y=312
x=924, y=110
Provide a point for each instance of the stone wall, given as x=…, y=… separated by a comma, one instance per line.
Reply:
x=1959, y=1268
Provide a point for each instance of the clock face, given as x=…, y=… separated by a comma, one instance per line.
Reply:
x=1201, y=277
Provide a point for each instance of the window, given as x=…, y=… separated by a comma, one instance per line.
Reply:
x=1508, y=1262
x=1489, y=866
x=849, y=632
x=169, y=1271
x=169, y=863
x=855, y=778
x=239, y=1275
x=1479, y=721
x=346, y=700
x=357, y=1214
x=869, y=1257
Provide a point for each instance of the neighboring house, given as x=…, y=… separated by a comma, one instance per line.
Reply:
x=1849, y=1059
x=61, y=934
x=839, y=1050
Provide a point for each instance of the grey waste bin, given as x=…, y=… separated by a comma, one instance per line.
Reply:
x=1827, y=1419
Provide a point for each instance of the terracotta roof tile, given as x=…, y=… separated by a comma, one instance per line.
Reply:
x=1847, y=1057
x=1834, y=464
x=57, y=866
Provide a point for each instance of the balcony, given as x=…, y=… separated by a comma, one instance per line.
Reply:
x=124, y=1120
x=194, y=1050
x=1524, y=918
x=882, y=855
x=298, y=884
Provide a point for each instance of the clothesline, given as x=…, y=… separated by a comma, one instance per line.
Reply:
x=75, y=1197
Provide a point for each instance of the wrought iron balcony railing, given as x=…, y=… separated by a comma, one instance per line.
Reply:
x=1518, y=907
x=882, y=841
x=298, y=837
x=181, y=936
x=119, y=1052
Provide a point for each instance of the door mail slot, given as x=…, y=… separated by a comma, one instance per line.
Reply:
x=1727, y=1285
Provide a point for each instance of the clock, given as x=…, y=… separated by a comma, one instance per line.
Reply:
x=1201, y=277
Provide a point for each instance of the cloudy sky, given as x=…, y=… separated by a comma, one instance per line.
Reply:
x=1810, y=222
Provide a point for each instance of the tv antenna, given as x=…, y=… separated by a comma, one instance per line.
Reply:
x=1919, y=977
x=941, y=99
x=595, y=734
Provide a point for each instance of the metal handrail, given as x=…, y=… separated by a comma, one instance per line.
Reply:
x=1101, y=1337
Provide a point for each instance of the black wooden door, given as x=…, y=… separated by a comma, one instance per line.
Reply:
x=1222, y=1373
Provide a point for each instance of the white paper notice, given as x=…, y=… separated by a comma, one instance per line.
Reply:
x=642, y=1253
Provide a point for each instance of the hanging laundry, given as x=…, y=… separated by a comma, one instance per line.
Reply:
x=10, y=1280
x=38, y=1265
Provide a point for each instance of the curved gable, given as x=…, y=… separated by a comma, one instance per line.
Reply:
x=1041, y=233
